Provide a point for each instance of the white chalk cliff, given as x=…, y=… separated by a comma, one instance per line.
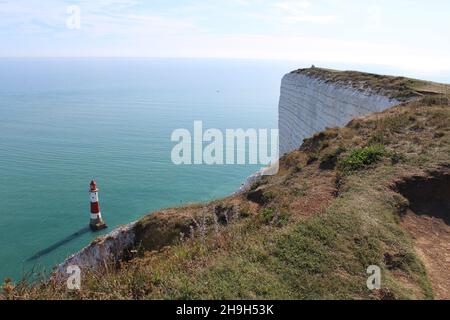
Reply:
x=101, y=252
x=309, y=105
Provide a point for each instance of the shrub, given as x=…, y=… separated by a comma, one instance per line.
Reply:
x=268, y=215
x=275, y=217
x=360, y=158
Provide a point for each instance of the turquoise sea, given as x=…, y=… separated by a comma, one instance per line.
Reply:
x=66, y=121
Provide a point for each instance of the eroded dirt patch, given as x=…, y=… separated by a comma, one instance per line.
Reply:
x=427, y=218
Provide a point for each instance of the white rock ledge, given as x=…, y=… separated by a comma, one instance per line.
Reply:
x=103, y=250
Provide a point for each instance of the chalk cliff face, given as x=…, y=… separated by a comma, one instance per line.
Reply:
x=102, y=251
x=309, y=105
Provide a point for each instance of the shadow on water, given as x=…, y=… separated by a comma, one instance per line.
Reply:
x=59, y=244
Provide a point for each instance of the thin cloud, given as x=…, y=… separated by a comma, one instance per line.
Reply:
x=317, y=31
x=297, y=11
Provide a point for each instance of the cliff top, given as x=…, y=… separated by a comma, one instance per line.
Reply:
x=399, y=88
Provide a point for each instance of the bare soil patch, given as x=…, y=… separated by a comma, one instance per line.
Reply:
x=427, y=218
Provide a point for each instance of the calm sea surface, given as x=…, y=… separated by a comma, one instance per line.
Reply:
x=66, y=121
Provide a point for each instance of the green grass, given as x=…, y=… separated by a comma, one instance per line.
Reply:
x=361, y=158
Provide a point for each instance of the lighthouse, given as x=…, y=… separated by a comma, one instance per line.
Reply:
x=96, y=216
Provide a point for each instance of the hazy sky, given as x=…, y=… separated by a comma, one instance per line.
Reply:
x=405, y=34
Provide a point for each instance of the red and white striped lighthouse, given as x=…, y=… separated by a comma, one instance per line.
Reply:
x=96, y=216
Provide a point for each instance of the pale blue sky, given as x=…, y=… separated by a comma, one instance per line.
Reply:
x=410, y=35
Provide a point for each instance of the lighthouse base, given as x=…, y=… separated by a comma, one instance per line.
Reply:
x=98, y=226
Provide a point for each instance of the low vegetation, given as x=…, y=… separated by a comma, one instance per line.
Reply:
x=399, y=88
x=361, y=158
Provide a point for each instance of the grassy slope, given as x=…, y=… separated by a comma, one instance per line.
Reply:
x=308, y=233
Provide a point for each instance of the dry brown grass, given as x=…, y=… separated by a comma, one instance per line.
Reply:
x=400, y=88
